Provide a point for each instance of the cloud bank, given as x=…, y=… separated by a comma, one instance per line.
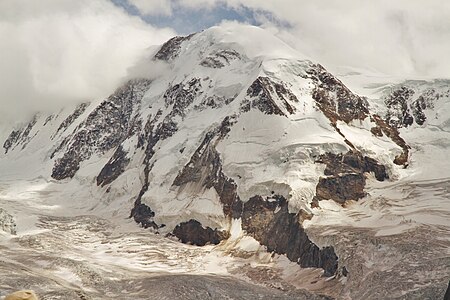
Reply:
x=54, y=51
x=408, y=38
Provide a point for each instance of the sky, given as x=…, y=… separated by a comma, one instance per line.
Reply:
x=57, y=51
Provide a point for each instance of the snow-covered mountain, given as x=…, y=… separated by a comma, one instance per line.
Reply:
x=244, y=138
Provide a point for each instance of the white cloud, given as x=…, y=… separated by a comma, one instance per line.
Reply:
x=153, y=7
x=53, y=51
x=402, y=37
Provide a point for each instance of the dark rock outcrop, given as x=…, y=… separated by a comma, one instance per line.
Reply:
x=79, y=110
x=181, y=96
x=269, y=222
x=20, y=136
x=403, y=111
x=264, y=94
x=392, y=133
x=399, y=114
x=205, y=168
x=334, y=99
x=220, y=58
x=143, y=214
x=170, y=49
x=352, y=162
x=192, y=232
x=114, y=167
x=104, y=129
x=345, y=176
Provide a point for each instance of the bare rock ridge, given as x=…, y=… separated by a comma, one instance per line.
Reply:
x=104, y=129
x=345, y=176
x=334, y=99
x=20, y=136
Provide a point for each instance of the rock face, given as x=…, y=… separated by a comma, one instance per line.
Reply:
x=409, y=102
x=79, y=110
x=269, y=97
x=269, y=222
x=20, y=136
x=104, y=129
x=192, y=232
x=345, y=176
x=171, y=48
x=334, y=99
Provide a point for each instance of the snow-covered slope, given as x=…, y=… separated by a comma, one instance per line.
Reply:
x=241, y=137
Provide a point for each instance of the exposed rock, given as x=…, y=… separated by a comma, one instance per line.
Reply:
x=352, y=162
x=270, y=97
x=220, y=58
x=403, y=111
x=48, y=120
x=214, y=102
x=20, y=136
x=398, y=110
x=143, y=215
x=205, y=168
x=393, y=133
x=170, y=49
x=115, y=166
x=192, y=232
x=334, y=99
x=71, y=118
x=345, y=176
x=270, y=223
x=104, y=129
x=341, y=188
x=182, y=95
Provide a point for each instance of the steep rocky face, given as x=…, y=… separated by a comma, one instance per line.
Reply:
x=104, y=129
x=171, y=48
x=382, y=127
x=407, y=104
x=269, y=222
x=269, y=97
x=79, y=110
x=114, y=167
x=334, y=99
x=20, y=136
x=192, y=232
x=397, y=103
x=345, y=176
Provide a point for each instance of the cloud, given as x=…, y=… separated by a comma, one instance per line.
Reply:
x=153, y=7
x=55, y=51
x=402, y=37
